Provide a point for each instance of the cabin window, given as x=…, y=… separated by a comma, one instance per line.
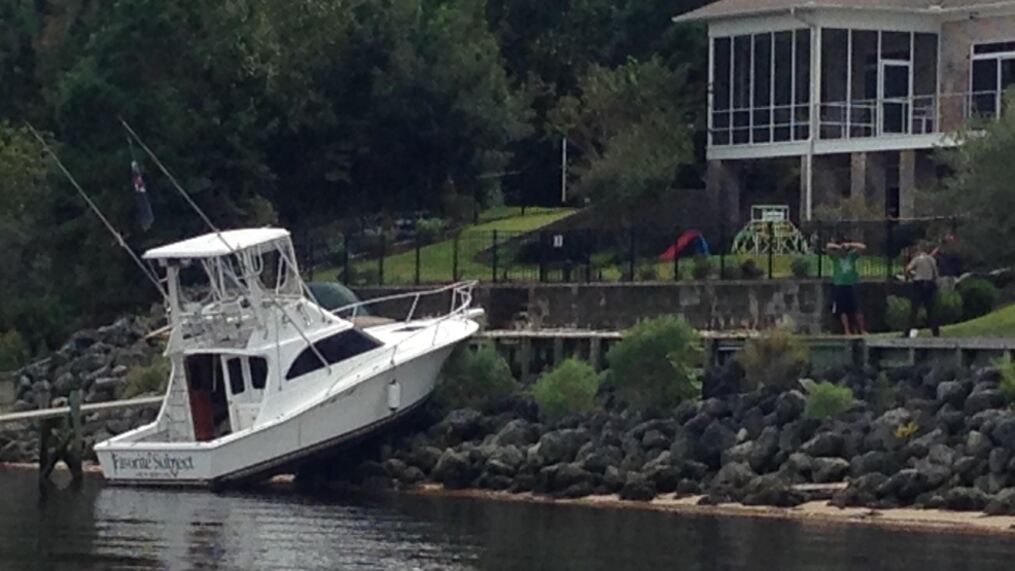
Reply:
x=236, y=385
x=334, y=349
x=258, y=372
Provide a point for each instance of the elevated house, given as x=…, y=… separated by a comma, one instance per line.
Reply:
x=857, y=93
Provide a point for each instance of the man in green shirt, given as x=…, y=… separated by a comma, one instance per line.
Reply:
x=845, y=276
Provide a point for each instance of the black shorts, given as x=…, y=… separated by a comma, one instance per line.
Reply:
x=844, y=300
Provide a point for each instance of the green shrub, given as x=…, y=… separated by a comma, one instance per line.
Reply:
x=1007, y=370
x=750, y=270
x=657, y=363
x=827, y=400
x=374, y=241
x=14, y=351
x=150, y=378
x=702, y=269
x=775, y=359
x=947, y=307
x=979, y=297
x=648, y=274
x=569, y=388
x=428, y=230
x=897, y=313
x=801, y=267
x=474, y=379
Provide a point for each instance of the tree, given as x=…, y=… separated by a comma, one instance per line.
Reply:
x=980, y=190
x=631, y=127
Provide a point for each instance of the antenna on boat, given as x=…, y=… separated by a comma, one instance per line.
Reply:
x=221, y=238
x=91, y=204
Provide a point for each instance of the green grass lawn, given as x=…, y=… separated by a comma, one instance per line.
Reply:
x=437, y=260
x=1000, y=323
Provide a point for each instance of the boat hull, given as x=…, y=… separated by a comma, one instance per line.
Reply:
x=363, y=407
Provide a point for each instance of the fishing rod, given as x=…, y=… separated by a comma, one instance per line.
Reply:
x=94, y=207
x=218, y=233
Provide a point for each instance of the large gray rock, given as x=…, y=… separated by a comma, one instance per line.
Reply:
x=638, y=488
x=771, y=490
x=1002, y=504
x=518, y=432
x=562, y=445
x=789, y=406
x=716, y=439
x=733, y=476
x=458, y=426
x=883, y=434
x=655, y=439
x=965, y=499
x=1004, y=433
x=764, y=449
x=873, y=462
x=998, y=460
x=905, y=485
x=825, y=444
x=977, y=444
x=951, y=392
x=827, y=470
x=599, y=459
x=861, y=491
x=453, y=470
x=984, y=400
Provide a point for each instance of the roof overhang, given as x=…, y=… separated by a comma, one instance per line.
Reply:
x=217, y=244
x=1000, y=7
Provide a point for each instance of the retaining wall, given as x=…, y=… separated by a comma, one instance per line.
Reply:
x=713, y=305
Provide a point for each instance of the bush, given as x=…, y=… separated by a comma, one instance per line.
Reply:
x=14, y=351
x=1007, y=370
x=801, y=267
x=776, y=359
x=648, y=274
x=150, y=378
x=374, y=241
x=947, y=307
x=569, y=388
x=428, y=230
x=979, y=297
x=657, y=363
x=474, y=379
x=750, y=270
x=702, y=269
x=897, y=313
x=827, y=400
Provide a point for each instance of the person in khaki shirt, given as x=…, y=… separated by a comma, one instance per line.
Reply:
x=923, y=272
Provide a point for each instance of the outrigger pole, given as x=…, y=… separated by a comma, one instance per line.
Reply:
x=221, y=238
x=109, y=226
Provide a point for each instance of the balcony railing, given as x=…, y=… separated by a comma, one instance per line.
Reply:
x=856, y=119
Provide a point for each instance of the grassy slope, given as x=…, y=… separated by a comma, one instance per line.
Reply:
x=436, y=260
x=1000, y=323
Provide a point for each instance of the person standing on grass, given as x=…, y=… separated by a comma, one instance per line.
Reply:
x=845, y=276
x=923, y=272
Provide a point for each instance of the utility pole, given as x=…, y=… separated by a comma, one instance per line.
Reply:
x=563, y=171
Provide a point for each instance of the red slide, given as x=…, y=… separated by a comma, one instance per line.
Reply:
x=682, y=242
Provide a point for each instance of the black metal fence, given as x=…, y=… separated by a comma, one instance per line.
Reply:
x=761, y=250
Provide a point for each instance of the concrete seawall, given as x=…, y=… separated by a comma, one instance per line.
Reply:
x=712, y=305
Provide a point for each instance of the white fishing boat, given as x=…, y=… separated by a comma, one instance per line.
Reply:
x=262, y=376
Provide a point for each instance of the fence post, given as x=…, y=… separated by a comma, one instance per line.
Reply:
x=347, y=243
x=676, y=257
x=380, y=260
x=454, y=257
x=821, y=249
x=722, y=250
x=771, y=246
x=630, y=259
x=542, y=257
x=418, y=246
x=494, y=267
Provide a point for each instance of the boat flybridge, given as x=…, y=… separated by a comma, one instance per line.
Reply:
x=262, y=376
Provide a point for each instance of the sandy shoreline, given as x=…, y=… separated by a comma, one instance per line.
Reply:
x=811, y=513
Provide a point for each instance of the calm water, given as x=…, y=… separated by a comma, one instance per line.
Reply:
x=100, y=527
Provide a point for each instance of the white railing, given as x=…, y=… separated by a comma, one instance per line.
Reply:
x=855, y=119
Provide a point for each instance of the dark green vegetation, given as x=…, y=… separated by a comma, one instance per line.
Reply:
x=570, y=388
x=309, y=113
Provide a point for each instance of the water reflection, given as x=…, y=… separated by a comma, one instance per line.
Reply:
x=125, y=528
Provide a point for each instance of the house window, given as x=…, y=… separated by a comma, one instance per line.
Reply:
x=760, y=88
x=334, y=349
x=993, y=72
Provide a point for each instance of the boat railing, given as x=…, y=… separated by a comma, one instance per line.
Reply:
x=461, y=299
x=461, y=302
